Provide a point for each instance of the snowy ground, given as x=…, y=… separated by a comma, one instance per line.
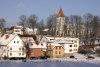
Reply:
x=81, y=61
x=51, y=63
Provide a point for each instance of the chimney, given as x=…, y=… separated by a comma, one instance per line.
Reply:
x=7, y=36
x=2, y=35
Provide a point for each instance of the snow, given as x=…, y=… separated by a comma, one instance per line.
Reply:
x=81, y=61
x=61, y=62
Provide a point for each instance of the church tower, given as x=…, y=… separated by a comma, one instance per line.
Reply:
x=60, y=22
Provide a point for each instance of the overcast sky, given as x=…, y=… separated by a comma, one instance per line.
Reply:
x=11, y=10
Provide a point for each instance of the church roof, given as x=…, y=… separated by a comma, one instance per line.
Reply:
x=60, y=13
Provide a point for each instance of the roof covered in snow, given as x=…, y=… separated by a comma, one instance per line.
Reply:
x=6, y=38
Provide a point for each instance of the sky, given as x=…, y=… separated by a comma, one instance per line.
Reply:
x=11, y=10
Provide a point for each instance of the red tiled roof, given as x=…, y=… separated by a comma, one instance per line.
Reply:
x=60, y=13
x=12, y=28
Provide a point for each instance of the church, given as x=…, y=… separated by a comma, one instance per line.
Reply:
x=67, y=29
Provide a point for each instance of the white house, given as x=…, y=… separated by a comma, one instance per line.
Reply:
x=12, y=46
x=71, y=45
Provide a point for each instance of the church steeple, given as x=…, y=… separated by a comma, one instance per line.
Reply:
x=60, y=23
x=60, y=13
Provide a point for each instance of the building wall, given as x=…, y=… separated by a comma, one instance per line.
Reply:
x=36, y=52
x=71, y=45
x=56, y=52
x=16, y=48
x=60, y=25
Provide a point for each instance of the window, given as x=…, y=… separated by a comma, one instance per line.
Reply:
x=19, y=53
x=76, y=45
x=29, y=39
x=56, y=47
x=70, y=45
x=59, y=52
x=14, y=41
x=55, y=52
x=70, y=50
x=50, y=52
x=42, y=44
x=10, y=54
x=22, y=53
x=31, y=44
x=59, y=47
x=72, y=41
x=74, y=49
x=17, y=41
x=10, y=48
x=75, y=41
x=17, y=31
x=22, y=48
x=4, y=50
x=19, y=48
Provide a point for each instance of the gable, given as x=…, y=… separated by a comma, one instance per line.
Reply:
x=16, y=41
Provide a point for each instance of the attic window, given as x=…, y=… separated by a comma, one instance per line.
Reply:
x=14, y=41
x=17, y=41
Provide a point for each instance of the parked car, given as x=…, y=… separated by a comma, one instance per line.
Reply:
x=43, y=57
x=72, y=57
x=90, y=57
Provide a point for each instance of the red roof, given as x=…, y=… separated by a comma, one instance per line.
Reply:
x=60, y=13
x=12, y=28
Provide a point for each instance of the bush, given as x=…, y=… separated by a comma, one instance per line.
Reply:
x=5, y=57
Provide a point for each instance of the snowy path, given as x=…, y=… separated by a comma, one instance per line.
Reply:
x=50, y=64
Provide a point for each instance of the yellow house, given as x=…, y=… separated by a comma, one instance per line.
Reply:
x=54, y=50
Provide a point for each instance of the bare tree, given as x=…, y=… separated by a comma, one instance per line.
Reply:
x=87, y=19
x=40, y=25
x=23, y=19
x=2, y=24
x=51, y=23
x=94, y=30
x=66, y=26
x=76, y=22
x=32, y=20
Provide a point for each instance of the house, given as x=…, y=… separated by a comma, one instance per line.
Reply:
x=28, y=39
x=35, y=48
x=70, y=45
x=30, y=31
x=12, y=46
x=19, y=30
x=16, y=30
x=55, y=50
